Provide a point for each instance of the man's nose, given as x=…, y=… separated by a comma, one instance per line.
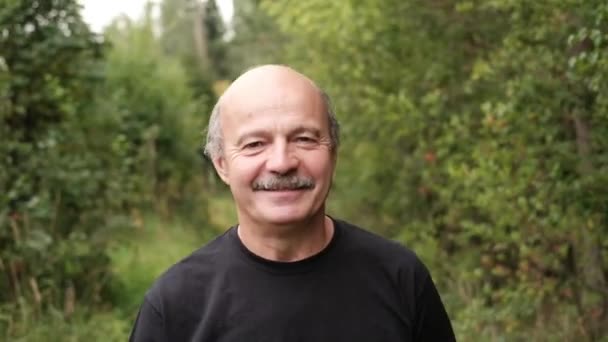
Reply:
x=281, y=160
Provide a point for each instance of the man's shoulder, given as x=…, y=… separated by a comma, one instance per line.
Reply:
x=371, y=245
x=367, y=238
x=195, y=269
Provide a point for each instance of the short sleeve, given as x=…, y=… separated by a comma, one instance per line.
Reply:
x=432, y=322
x=149, y=326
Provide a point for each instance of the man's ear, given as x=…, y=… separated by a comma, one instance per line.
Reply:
x=221, y=168
x=334, y=157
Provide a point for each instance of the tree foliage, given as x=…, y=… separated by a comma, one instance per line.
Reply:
x=150, y=94
x=58, y=182
x=193, y=32
x=255, y=38
x=93, y=131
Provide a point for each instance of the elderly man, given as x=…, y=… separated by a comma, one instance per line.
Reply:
x=287, y=271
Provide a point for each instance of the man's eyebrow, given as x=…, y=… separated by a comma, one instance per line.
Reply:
x=247, y=135
x=295, y=131
x=304, y=129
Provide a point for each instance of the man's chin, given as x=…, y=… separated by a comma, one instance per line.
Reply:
x=283, y=197
x=284, y=216
x=285, y=220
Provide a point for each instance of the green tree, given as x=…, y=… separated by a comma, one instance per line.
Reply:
x=215, y=32
x=148, y=93
x=59, y=185
x=255, y=38
x=193, y=31
x=93, y=130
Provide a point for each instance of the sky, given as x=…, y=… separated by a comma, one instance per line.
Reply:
x=99, y=13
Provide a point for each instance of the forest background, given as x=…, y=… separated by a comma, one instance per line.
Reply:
x=474, y=131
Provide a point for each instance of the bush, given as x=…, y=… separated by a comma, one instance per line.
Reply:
x=58, y=175
x=93, y=131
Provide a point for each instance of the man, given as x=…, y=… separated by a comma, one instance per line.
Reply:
x=288, y=272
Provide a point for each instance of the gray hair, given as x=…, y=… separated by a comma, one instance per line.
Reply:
x=215, y=142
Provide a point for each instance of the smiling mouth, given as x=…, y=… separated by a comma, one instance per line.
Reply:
x=283, y=183
x=284, y=190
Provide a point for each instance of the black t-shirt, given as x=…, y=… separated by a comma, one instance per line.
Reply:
x=361, y=287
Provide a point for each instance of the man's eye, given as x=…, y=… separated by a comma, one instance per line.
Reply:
x=254, y=144
x=305, y=139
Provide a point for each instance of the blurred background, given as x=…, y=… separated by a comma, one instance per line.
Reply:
x=474, y=131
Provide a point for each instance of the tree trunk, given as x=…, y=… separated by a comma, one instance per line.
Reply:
x=200, y=36
x=590, y=263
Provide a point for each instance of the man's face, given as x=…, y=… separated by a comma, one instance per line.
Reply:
x=277, y=156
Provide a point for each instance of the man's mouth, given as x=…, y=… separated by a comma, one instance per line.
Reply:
x=283, y=184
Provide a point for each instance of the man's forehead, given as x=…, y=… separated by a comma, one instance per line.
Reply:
x=268, y=78
x=270, y=73
x=269, y=88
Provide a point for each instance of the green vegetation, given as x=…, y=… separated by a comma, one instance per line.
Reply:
x=82, y=326
x=95, y=130
x=136, y=258
x=143, y=255
x=474, y=132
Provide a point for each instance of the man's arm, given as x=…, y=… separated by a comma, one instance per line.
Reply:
x=432, y=321
x=149, y=326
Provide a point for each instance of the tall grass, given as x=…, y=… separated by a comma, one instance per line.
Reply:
x=146, y=253
x=138, y=258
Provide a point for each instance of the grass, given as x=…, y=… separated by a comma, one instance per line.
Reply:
x=146, y=254
x=138, y=257
x=83, y=326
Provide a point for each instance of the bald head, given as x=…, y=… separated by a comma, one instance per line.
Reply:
x=252, y=88
x=266, y=77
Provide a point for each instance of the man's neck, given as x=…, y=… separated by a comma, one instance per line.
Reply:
x=288, y=244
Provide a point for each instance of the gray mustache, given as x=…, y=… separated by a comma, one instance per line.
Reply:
x=291, y=182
